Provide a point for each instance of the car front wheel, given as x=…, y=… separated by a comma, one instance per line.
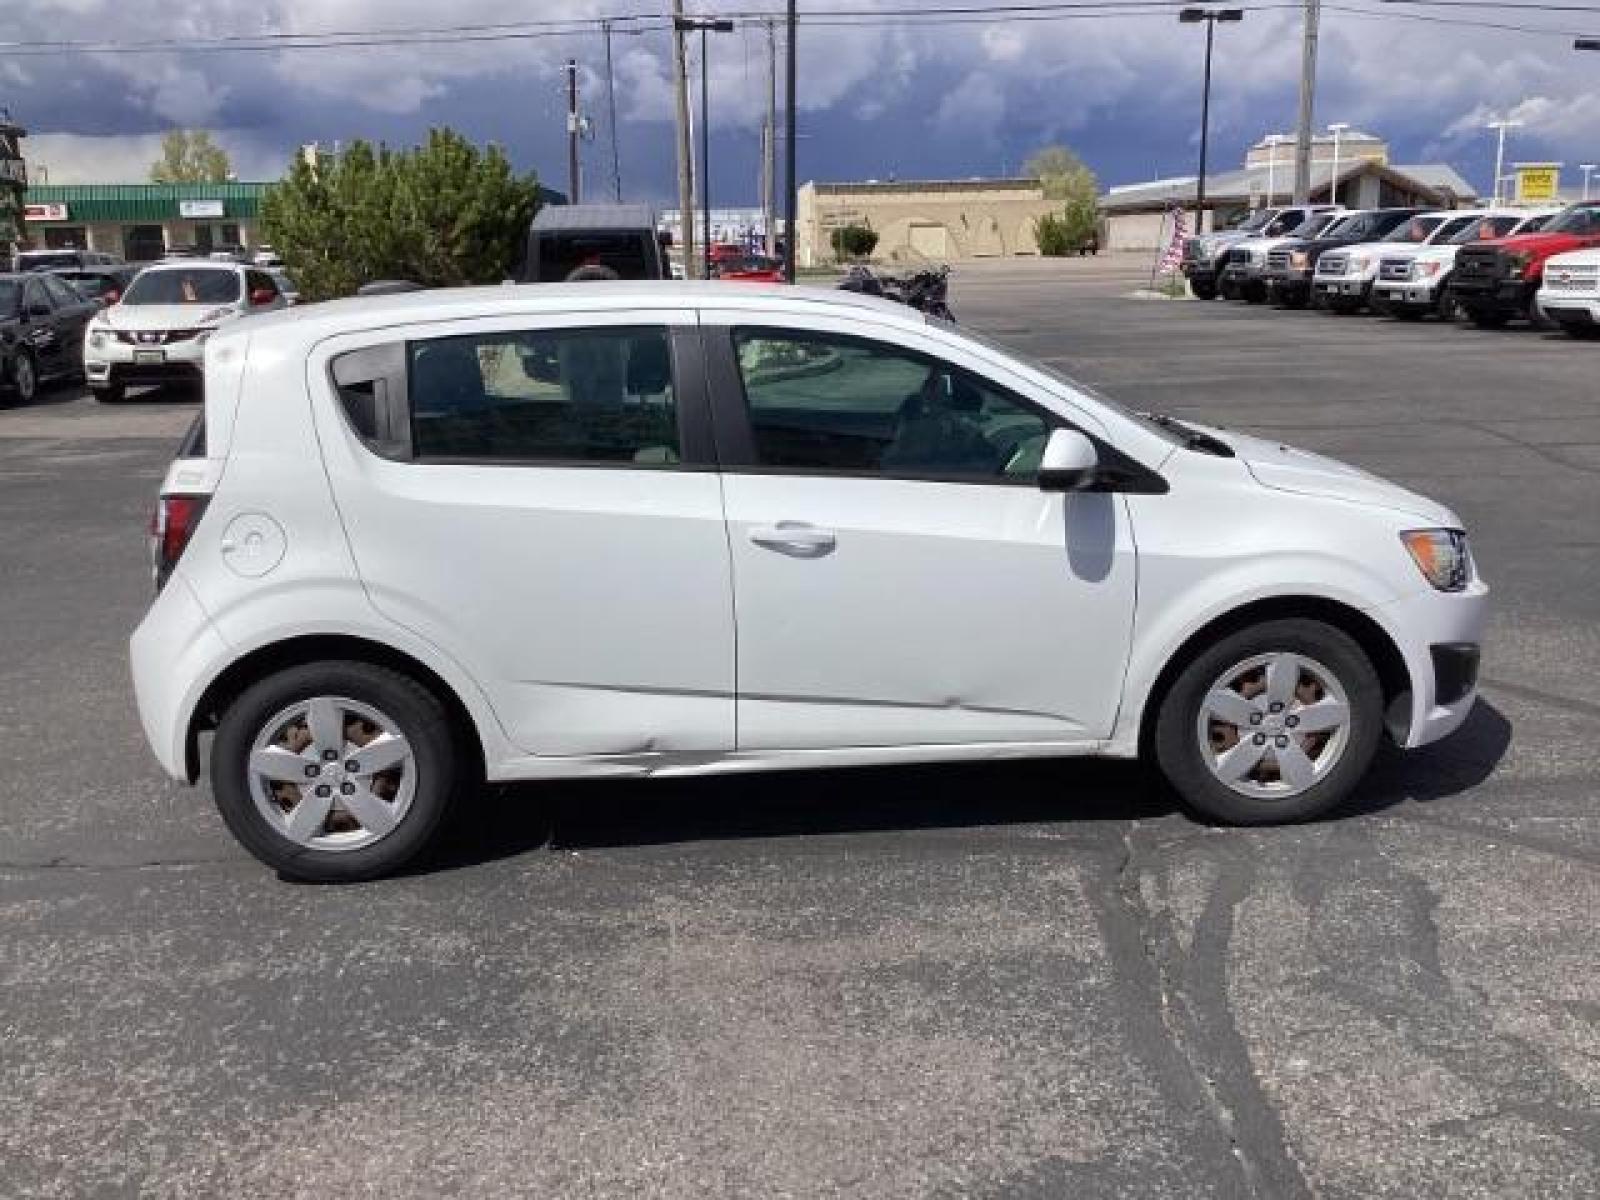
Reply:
x=24, y=378
x=1277, y=722
x=336, y=771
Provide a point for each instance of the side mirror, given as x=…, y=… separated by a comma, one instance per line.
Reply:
x=1070, y=462
x=263, y=296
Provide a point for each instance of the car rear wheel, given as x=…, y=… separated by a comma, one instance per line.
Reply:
x=1277, y=722
x=336, y=771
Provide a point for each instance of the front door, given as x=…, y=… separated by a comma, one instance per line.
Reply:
x=899, y=577
x=539, y=508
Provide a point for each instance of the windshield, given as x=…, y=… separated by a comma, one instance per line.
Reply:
x=1353, y=225
x=197, y=286
x=1417, y=229
x=10, y=297
x=1312, y=226
x=1577, y=219
x=560, y=254
x=43, y=260
x=1259, y=219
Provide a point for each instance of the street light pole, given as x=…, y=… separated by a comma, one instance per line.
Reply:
x=1273, y=142
x=1193, y=16
x=1500, y=152
x=791, y=188
x=1588, y=169
x=1337, y=129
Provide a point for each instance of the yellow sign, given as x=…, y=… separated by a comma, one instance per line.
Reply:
x=1538, y=184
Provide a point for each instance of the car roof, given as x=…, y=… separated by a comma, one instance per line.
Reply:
x=358, y=313
x=194, y=264
x=578, y=218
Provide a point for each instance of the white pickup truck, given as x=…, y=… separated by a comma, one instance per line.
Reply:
x=1415, y=280
x=1245, y=264
x=1570, y=293
x=1345, y=277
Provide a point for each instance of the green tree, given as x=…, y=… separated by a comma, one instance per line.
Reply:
x=190, y=156
x=441, y=214
x=853, y=241
x=1064, y=177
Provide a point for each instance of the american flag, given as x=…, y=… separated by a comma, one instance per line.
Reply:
x=1172, y=256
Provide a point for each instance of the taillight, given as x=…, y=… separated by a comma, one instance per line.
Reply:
x=171, y=526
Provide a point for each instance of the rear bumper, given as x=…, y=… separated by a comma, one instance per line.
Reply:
x=173, y=653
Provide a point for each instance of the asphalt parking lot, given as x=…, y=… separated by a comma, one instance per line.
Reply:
x=990, y=981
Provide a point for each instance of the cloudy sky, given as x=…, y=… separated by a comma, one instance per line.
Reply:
x=901, y=96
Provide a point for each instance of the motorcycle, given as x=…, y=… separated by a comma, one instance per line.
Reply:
x=926, y=290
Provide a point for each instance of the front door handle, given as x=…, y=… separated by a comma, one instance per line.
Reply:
x=794, y=537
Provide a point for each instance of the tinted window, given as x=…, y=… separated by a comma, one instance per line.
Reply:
x=580, y=395
x=61, y=294
x=34, y=296
x=44, y=260
x=1533, y=225
x=562, y=253
x=184, y=286
x=831, y=403
x=10, y=297
x=1417, y=229
x=260, y=281
x=1576, y=220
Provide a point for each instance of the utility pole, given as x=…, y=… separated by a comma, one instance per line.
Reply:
x=769, y=142
x=611, y=110
x=791, y=188
x=1308, y=94
x=572, y=131
x=703, y=25
x=680, y=73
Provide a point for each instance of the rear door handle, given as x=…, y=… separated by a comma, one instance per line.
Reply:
x=794, y=537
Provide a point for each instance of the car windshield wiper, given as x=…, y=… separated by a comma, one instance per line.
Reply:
x=1193, y=439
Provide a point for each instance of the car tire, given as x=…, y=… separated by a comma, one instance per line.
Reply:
x=1584, y=333
x=1306, y=663
x=111, y=393
x=1203, y=291
x=1488, y=318
x=24, y=378
x=1449, y=307
x=1255, y=293
x=302, y=828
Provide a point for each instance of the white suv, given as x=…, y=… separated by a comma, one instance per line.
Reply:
x=642, y=529
x=157, y=331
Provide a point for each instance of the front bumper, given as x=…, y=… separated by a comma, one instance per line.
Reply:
x=1410, y=293
x=1290, y=285
x=1335, y=291
x=1510, y=296
x=1438, y=634
x=1565, y=309
x=1238, y=279
x=108, y=360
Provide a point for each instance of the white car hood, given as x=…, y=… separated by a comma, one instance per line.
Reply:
x=1287, y=469
x=165, y=316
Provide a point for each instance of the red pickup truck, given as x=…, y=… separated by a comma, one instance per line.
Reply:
x=1496, y=281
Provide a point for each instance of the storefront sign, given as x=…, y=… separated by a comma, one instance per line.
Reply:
x=44, y=212
x=1538, y=183
x=199, y=208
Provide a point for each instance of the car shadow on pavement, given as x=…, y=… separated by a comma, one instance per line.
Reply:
x=503, y=822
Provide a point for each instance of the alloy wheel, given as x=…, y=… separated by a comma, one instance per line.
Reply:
x=1273, y=726
x=329, y=773
x=25, y=378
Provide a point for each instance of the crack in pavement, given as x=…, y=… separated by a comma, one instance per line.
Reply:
x=1197, y=1022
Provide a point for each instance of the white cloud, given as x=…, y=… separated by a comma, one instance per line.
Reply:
x=79, y=158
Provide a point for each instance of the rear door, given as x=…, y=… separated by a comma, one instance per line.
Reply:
x=536, y=496
x=42, y=324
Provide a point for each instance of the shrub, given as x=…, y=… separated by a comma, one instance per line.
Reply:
x=853, y=241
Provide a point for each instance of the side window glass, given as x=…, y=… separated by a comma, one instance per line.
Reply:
x=33, y=296
x=260, y=281
x=570, y=395
x=61, y=293
x=830, y=403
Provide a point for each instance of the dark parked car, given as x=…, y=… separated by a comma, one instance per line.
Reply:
x=581, y=241
x=42, y=319
x=105, y=284
x=1290, y=266
x=50, y=260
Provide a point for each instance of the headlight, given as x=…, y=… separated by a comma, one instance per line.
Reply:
x=1299, y=258
x=1517, y=262
x=97, y=338
x=1258, y=257
x=1441, y=555
x=1425, y=270
x=1357, y=264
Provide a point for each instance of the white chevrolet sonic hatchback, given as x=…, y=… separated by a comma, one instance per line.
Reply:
x=664, y=529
